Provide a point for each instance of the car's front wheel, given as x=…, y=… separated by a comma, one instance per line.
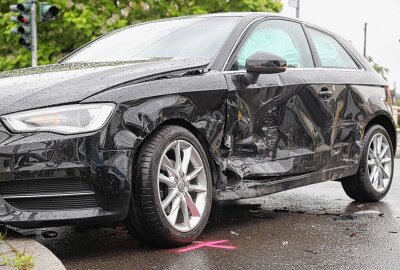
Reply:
x=375, y=173
x=172, y=190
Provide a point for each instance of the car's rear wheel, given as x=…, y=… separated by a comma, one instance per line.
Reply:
x=375, y=173
x=172, y=190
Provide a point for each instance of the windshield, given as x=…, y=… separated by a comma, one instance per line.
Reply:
x=199, y=37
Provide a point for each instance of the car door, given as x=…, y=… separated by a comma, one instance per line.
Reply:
x=337, y=65
x=281, y=125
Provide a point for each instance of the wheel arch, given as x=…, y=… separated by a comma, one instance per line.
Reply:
x=385, y=121
x=212, y=160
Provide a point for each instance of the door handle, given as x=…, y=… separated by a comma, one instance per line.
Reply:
x=325, y=93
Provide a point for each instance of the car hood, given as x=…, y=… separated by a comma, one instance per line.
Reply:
x=73, y=82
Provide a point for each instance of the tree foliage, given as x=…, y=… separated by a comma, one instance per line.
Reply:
x=82, y=21
x=380, y=69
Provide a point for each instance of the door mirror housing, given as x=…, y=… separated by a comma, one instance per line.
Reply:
x=264, y=63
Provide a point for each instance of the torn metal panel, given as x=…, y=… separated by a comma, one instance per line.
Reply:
x=276, y=130
x=283, y=126
x=256, y=188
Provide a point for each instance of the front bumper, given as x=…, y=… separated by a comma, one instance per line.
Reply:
x=50, y=180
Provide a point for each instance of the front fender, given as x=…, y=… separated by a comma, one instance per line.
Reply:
x=202, y=111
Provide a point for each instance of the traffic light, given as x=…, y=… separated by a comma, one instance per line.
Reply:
x=24, y=19
x=27, y=27
x=48, y=12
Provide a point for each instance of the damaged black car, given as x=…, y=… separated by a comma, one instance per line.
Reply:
x=151, y=124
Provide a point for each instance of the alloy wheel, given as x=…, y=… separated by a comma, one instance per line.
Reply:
x=182, y=185
x=379, y=162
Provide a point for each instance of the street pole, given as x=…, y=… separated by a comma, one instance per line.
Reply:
x=34, y=34
x=298, y=9
x=365, y=40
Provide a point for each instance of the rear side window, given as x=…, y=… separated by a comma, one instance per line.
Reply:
x=283, y=38
x=330, y=52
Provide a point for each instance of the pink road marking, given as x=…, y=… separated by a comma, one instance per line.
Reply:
x=212, y=244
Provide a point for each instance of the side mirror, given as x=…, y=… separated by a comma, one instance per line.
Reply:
x=264, y=63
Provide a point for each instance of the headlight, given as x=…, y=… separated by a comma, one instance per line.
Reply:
x=69, y=119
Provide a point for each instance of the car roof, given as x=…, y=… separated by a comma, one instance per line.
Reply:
x=238, y=14
x=254, y=15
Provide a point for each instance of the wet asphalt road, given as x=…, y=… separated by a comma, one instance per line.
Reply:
x=315, y=227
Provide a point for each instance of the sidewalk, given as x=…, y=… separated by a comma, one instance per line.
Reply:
x=398, y=143
x=20, y=252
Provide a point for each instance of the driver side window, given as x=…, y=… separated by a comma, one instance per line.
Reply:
x=283, y=38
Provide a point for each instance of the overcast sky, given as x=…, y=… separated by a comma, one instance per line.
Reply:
x=347, y=18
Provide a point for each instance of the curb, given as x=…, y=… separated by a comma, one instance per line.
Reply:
x=398, y=144
x=43, y=258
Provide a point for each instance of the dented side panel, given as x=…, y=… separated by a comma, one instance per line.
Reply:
x=276, y=130
x=282, y=133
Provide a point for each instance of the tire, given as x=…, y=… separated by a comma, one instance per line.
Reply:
x=159, y=180
x=364, y=186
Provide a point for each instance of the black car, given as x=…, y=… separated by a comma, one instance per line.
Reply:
x=152, y=123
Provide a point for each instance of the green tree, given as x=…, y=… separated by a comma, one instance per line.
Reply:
x=380, y=69
x=80, y=22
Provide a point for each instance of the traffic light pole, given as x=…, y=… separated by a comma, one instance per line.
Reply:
x=34, y=34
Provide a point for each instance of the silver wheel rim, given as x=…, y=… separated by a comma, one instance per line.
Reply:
x=379, y=163
x=182, y=185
